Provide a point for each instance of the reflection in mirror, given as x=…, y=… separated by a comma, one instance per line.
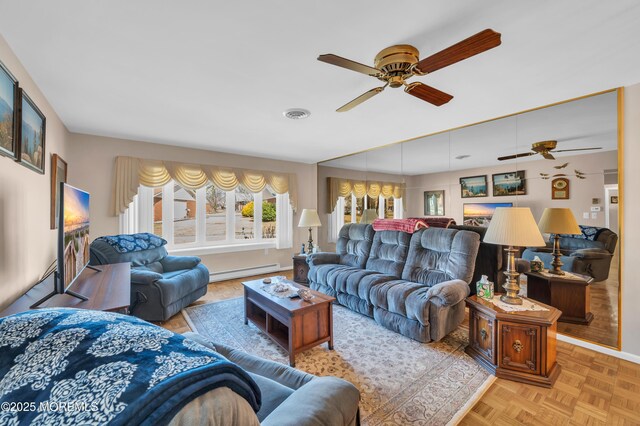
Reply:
x=561, y=156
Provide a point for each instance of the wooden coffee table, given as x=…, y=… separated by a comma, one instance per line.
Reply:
x=293, y=324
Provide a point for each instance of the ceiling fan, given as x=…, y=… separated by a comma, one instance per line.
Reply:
x=396, y=64
x=544, y=148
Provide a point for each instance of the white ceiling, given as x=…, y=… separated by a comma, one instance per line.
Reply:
x=217, y=75
x=586, y=123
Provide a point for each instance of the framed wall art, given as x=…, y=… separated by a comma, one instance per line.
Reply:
x=8, y=113
x=473, y=186
x=434, y=203
x=560, y=189
x=32, y=135
x=58, y=174
x=512, y=183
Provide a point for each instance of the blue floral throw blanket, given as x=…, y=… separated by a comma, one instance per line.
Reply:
x=127, y=243
x=72, y=366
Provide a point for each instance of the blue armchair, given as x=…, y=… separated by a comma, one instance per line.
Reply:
x=161, y=285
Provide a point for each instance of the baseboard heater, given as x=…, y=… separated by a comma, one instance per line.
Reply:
x=246, y=272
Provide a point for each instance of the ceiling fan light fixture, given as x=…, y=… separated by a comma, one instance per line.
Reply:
x=296, y=113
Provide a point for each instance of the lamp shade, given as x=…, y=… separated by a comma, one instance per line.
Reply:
x=514, y=226
x=309, y=218
x=558, y=221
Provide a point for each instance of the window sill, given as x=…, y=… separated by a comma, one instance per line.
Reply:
x=217, y=249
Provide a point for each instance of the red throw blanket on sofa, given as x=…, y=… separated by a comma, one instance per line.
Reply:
x=405, y=225
x=437, y=222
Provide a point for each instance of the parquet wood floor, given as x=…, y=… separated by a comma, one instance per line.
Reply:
x=592, y=389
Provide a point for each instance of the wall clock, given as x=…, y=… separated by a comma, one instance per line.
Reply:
x=560, y=189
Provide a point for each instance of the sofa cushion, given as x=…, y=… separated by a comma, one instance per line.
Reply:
x=179, y=284
x=437, y=255
x=102, y=253
x=389, y=252
x=273, y=394
x=354, y=244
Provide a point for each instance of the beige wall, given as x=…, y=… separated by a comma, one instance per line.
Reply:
x=323, y=194
x=538, y=190
x=93, y=157
x=631, y=225
x=27, y=245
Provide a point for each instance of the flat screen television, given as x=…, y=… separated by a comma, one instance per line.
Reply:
x=73, y=240
x=480, y=214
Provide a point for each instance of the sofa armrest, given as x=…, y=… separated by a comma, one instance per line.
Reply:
x=176, y=263
x=316, y=259
x=144, y=276
x=594, y=253
x=448, y=293
x=322, y=401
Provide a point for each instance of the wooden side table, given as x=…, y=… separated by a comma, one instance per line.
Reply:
x=518, y=346
x=300, y=269
x=571, y=296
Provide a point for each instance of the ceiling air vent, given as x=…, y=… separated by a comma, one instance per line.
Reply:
x=296, y=113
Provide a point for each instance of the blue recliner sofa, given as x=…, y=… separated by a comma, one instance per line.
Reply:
x=161, y=285
x=414, y=284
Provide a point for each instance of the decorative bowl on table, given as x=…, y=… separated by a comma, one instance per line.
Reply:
x=305, y=294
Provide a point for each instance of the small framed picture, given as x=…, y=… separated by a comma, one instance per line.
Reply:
x=614, y=199
x=512, y=183
x=473, y=186
x=58, y=174
x=32, y=135
x=434, y=203
x=8, y=113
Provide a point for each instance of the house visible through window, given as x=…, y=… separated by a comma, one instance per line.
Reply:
x=210, y=217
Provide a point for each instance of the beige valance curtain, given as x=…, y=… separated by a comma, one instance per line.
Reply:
x=132, y=172
x=339, y=187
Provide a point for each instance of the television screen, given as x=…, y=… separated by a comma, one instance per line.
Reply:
x=480, y=214
x=73, y=231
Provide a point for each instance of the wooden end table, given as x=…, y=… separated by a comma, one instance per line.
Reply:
x=295, y=325
x=571, y=296
x=519, y=346
x=300, y=269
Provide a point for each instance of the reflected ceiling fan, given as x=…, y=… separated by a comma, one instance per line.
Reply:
x=396, y=64
x=544, y=148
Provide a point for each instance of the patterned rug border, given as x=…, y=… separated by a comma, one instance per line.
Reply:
x=458, y=415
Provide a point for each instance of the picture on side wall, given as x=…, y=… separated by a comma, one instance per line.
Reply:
x=58, y=174
x=434, y=203
x=473, y=186
x=512, y=183
x=614, y=199
x=480, y=214
x=8, y=113
x=32, y=135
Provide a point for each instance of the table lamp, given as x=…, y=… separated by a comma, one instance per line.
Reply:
x=369, y=215
x=558, y=221
x=309, y=218
x=513, y=227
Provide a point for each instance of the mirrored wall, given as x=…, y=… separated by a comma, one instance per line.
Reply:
x=564, y=155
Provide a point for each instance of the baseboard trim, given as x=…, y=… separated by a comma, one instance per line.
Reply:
x=602, y=349
x=246, y=272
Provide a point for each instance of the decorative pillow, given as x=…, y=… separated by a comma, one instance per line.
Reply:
x=127, y=243
x=590, y=233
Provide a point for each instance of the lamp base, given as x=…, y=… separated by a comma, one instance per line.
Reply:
x=556, y=263
x=511, y=287
x=310, y=248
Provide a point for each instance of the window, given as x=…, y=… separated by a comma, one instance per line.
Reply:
x=210, y=218
x=350, y=209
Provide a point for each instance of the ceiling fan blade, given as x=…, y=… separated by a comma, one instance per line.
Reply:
x=349, y=64
x=547, y=155
x=428, y=93
x=481, y=42
x=360, y=99
x=511, y=157
x=577, y=149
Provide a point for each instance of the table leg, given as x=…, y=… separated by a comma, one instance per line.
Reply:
x=246, y=307
x=330, y=342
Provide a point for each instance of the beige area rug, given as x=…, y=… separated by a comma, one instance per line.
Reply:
x=401, y=381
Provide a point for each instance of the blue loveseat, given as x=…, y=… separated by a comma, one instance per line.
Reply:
x=412, y=284
x=161, y=285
